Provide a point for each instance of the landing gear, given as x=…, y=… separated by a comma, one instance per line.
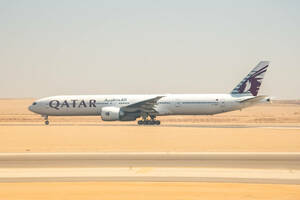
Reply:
x=46, y=120
x=146, y=121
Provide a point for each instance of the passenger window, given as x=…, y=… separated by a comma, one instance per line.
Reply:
x=34, y=103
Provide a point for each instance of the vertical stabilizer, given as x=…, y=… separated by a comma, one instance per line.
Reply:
x=252, y=82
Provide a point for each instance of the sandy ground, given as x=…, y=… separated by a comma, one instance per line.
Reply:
x=86, y=135
x=22, y=131
x=147, y=190
x=153, y=139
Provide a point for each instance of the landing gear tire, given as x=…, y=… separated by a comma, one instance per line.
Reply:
x=46, y=119
x=148, y=122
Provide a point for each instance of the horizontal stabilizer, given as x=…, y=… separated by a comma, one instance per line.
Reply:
x=255, y=99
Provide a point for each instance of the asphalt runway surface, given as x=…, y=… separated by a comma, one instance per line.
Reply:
x=257, y=167
x=157, y=159
x=162, y=125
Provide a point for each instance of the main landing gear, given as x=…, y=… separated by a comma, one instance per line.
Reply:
x=46, y=120
x=146, y=121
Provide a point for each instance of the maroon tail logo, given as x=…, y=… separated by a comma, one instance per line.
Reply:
x=252, y=82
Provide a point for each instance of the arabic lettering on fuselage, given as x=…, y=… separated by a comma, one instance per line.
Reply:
x=116, y=99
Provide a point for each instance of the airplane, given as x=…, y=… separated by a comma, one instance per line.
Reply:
x=148, y=107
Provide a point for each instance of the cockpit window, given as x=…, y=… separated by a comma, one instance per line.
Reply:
x=34, y=103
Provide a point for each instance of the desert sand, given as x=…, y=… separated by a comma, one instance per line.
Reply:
x=147, y=190
x=22, y=131
x=135, y=138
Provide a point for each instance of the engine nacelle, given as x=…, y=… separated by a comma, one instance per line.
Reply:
x=110, y=114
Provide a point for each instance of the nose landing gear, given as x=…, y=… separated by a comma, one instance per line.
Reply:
x=46, y=120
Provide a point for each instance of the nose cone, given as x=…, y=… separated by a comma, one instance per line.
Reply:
x=31, y=108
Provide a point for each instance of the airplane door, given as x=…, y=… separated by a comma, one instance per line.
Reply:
x=176, y=106
x=222, y=102
x=177, y=103
x=98, y=109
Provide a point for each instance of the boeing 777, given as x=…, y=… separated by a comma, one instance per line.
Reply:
x=148, y=107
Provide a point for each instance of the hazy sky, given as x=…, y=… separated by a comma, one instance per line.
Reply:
x=133, y=46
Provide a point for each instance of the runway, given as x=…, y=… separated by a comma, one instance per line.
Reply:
x=152, y=159
x=229, y=126
x=254, y=167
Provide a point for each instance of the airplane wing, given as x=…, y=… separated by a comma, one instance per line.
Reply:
x=147, y=106
x=254, y=99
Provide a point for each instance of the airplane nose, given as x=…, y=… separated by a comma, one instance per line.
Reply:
x=34, y=107
x=30, y=108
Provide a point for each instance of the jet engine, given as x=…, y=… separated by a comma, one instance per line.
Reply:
x=115, y=114
x=110, y=114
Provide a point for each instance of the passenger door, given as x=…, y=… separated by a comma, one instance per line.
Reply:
x=177, y=103
x=222, y=102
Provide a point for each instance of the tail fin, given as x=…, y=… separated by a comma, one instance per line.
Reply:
x=251, y=83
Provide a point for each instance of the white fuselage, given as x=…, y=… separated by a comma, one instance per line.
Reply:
x=170, y=104
x=131, y=107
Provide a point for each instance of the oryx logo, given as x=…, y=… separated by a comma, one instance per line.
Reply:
x=252, y=83
x=56, y=104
